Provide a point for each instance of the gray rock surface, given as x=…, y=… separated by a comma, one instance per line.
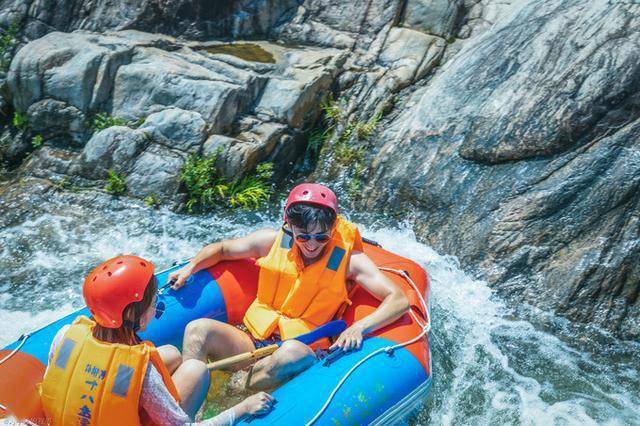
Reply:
x=114, y=148
x=176, y=128
x=520, y=156
x=156, y=173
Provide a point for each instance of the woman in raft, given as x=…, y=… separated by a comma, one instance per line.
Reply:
x=100, y=372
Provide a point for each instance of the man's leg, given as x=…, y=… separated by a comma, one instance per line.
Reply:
x=210, y=339
x=291, y=358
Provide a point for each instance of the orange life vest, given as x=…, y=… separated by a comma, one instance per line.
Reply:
x=91, y=382
x=296, y=298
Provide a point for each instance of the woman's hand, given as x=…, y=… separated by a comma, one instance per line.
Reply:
x=180, y=276
x=260, y=403
x=351, y=338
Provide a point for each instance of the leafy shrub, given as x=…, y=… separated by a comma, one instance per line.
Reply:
x=151, y=201
x=20, y=121
x=365, y=130
x=36, y=141
x=104, y=120
x=115, y=183
x=207, y=190
x=8, y=42
x=332, y=112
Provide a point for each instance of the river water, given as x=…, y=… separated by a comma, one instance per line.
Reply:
x=493, y=363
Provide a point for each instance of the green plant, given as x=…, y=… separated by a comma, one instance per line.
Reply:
x=206, y=189
x=333, y=113
x=355, y=182
x=151, y=201
x=365, y=130
x=115, y=183
x=252, y=190
x=20, y=121
x=36, y=141
x=8, y=42
x=103, y=120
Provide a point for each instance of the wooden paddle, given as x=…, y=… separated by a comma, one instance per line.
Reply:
x=330, y=329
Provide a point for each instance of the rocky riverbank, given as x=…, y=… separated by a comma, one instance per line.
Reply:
x=506, y=131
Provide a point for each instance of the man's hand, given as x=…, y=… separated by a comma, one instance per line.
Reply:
x=351, y=338
x=180, y=276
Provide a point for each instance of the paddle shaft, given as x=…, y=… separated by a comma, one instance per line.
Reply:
x=330, y=329
x=237, y=359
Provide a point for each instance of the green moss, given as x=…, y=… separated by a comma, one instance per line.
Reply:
x=8, y=42
x=207, y=190
x=365, y=130
x=104, y=120
x=246, y=51
x=36, y=141
x=333, y=112
x=151, y=201
x=20, y=121
x=115, y=183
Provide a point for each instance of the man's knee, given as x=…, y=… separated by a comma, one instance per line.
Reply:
x=198, y=328
x=294, y=352
x=195, y=339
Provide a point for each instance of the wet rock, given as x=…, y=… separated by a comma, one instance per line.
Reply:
x=409, y=55
x=14, y=146
x=241, y=154
x=114, y=148
x=157, y=80
x=50, y=163
x=186, y=18
x=55, y=119
x=156, y=173
x=436, y=17
x=77, y=69
x=176, y=128
x=294, y=97
x=521, y=159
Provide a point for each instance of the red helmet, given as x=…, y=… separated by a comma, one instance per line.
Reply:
x=112, y=285
x=312, y=193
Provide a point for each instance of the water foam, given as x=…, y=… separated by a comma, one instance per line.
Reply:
x=492, y=364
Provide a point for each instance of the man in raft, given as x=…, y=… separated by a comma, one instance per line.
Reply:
x=304, y=269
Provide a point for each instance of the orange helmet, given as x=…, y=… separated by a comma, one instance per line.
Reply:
x=114, y=284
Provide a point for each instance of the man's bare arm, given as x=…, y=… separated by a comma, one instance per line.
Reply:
x=394, y=302
x=256, y=244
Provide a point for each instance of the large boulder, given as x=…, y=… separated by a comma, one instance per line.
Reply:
x=156, y=173
x=115, y=148
x=186, y=18
x=176, y=128
x=520, y=157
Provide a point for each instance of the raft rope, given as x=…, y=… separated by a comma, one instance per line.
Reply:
x=13, y=417
x=425, y=328
x=24, y=338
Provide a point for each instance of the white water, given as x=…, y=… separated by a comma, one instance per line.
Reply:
x=492, y=364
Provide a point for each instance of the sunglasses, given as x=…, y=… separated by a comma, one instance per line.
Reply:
x=321, y=238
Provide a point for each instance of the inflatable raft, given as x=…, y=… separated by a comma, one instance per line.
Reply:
x=382, y=383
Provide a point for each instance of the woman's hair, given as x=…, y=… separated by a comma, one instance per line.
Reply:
x=305, y=215
x=126, y=333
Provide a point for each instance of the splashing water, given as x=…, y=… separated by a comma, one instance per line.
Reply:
x=492, y=364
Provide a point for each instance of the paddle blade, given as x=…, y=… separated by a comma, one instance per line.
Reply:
x=330, y=329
